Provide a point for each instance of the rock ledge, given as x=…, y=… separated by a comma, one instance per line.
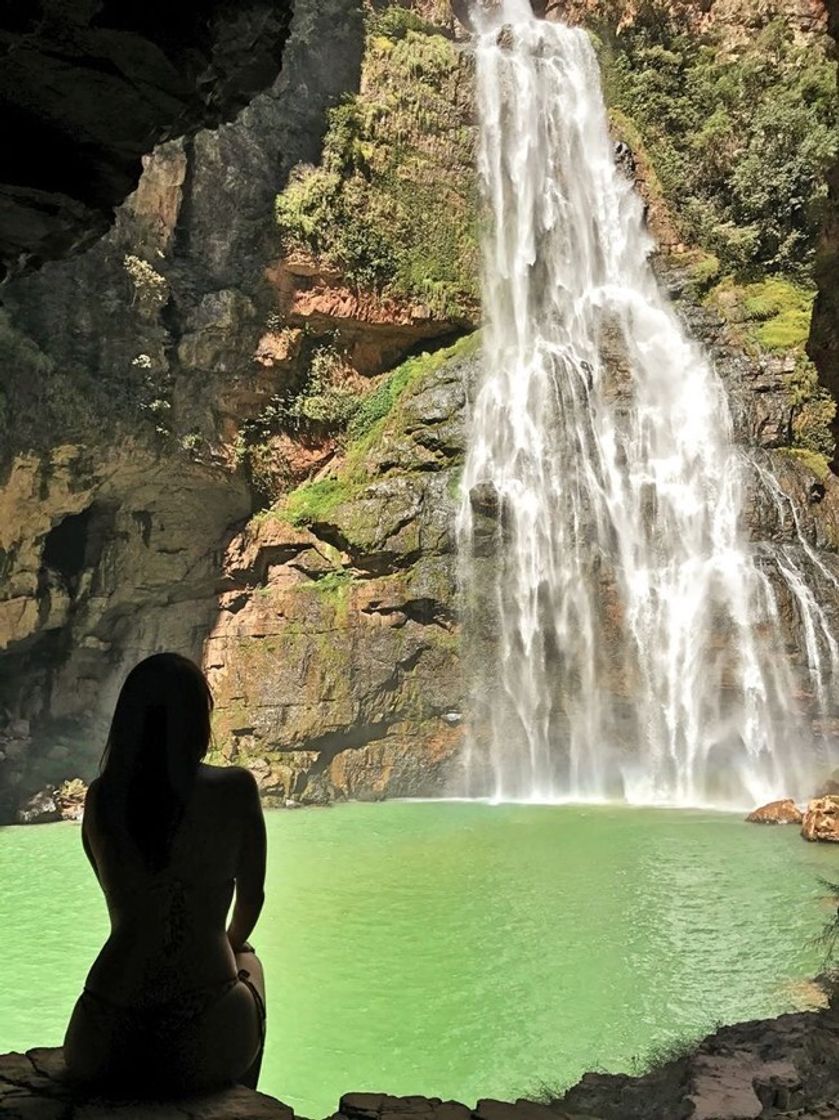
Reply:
x=773, y=1069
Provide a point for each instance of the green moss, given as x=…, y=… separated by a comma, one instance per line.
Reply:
x=314, y=501
x=773, y=313
x=333, y=584
x=368, y=424
x=393, y=202
x=783, y=310
x=818, y=464
x=453, y=482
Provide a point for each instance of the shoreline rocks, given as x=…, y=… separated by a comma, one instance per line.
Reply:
x=64, y=803
x=777, y=812
x=821, y=820
x=749, y=1071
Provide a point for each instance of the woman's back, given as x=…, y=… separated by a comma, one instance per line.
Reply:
x=168, y=925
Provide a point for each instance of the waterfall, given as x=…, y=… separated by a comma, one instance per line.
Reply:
x=628, y=634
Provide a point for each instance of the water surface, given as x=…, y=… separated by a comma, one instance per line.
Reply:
x=462, y=949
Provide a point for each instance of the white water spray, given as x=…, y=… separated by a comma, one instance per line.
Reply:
x=636, y=644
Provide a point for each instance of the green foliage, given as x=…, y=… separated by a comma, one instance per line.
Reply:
x=705, y=270
x=392, y=204
x=774, y=315
x=333, y=584
x=740, y=140
x=662, y=1054
x=314, y=501
x=380, y=403
x=817, y=464
x=394, y=22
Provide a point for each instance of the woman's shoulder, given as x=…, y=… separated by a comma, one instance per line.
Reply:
x=231, y=778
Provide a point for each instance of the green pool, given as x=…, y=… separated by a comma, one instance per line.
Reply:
x=461, y=949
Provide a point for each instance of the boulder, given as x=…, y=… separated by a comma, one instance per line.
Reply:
x=821, y=819
x=777, y=812
x=41, y=808
x=69, y=798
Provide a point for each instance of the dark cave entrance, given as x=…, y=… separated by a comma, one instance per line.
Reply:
x=75, y=545
x=65, y=547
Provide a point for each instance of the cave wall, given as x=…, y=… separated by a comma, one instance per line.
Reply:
x=88, y=87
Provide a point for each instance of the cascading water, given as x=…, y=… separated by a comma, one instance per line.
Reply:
x=635, y=637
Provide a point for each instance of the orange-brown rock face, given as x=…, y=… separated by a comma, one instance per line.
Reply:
x=375, y=331
x=776, y=812
x=335, y=659
x=821, y=820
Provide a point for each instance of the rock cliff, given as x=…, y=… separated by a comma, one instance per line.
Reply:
x=217, y=432
x=128, y=371
x=88, y=88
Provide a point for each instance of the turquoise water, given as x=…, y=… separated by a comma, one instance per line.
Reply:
x=464, y=950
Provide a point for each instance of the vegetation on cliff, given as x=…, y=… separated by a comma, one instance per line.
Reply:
x=741, y=137
x=316, y=499
x=392, y=203
x=734, y=138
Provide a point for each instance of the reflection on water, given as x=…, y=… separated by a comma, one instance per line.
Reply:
x=464, y=950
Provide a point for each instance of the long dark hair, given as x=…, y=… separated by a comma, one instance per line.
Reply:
x=159, y=734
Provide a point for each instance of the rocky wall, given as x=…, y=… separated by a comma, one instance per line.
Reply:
x=127, y=372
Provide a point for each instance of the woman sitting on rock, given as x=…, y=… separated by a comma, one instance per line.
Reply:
x=173, y=1003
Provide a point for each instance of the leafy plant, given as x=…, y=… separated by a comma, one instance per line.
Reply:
x=392, y=204
x=740, y=139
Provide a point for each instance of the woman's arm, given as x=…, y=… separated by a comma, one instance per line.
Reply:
x=87, y=819
x=250, y=873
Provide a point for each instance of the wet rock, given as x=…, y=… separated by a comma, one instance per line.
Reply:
x=41, y=808
x=830, y=786
x=777, y=812
x=69, y=797
x=821, y=819
x=335, y=659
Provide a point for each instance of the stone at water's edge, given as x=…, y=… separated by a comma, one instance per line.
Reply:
x=821, y=819
x=47, y=805
x=777, y=812
x=763, y=1070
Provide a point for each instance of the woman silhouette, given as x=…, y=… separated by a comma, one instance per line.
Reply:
x=173, y=1003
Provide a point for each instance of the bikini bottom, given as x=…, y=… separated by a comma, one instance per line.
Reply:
x=161, y=1029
